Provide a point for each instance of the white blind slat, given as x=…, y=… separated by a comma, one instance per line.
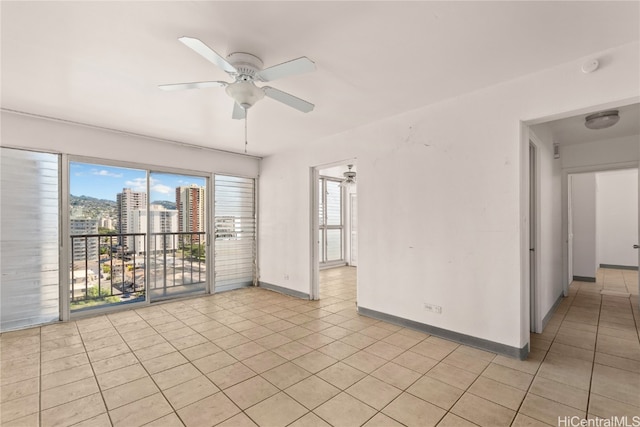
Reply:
x=29, y=238
x=235, y=231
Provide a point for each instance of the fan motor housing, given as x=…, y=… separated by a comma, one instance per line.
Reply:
x=248, y=65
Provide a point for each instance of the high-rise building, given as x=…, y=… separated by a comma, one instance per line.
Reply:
x=107, y=222
x=84, y=248
x=129, y=201
x=160, y=220
x=192, y=210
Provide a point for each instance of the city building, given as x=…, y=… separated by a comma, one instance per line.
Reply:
x=127, y=202
x=84, y=248
x=107, y=222
x=159, y=220
x=192, y=209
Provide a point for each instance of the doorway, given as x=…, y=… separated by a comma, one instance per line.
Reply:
x=136, y=235
x=603, y=224
x=334, y=233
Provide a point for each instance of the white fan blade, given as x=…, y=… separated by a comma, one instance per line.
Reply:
x=193, y=85
x=290, y=100
x=208, y=53
x=290, y=68
x=239, y=113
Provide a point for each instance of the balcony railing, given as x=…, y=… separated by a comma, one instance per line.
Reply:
x=123, y=267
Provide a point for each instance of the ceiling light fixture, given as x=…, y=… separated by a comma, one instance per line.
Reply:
x=349, y=177
x=602, y=120
x=245, y=93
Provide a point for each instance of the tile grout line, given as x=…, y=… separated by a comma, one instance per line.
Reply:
x=143, y=367
x=547, y=351
x=94, y=374
x=593, y=363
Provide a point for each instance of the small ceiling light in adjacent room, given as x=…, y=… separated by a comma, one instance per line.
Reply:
x=349, y=177
x=602, y=120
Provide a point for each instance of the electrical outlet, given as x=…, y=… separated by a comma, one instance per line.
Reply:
x=286, y=277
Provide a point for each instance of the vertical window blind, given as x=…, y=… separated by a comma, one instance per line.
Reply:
x=29, y=238
x=235, y=232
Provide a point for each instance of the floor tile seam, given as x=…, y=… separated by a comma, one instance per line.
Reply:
x=94, y=376
x=405, y=390
x=634, y=340
x=546, y=353
x=467, y=390
x=376, y=411
x=593, y=362
x=149, y=375
x=615, y=399
x=441, y=382
x=635, y=319
x=562, y=403
x=300, y=417
x=322, y=403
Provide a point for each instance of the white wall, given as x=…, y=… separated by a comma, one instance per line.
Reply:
x=583, y=203
x=600, y=153
x=442, y=215
x=617, y=217
x=29, y=132
x=549, y=225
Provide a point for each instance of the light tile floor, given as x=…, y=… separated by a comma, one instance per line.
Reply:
x=253, y=356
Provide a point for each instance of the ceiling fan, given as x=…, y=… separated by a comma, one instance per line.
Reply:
x=246, y=69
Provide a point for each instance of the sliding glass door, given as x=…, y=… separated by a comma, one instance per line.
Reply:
x=178, y=243
x=107, y=208
x=123, y=235
x=135, y=233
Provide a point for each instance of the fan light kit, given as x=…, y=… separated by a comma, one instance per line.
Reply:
x=246, y=69
x=602, y=120
x=349, y=177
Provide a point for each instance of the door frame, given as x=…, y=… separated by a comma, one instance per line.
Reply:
x=67, y=159
x=353, y=201
x=314, y=224
x=535, y=324
x=605, y=167
x=525, y=136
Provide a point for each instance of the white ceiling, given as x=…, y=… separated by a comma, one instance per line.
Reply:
x=572, y=130
x=100, y=63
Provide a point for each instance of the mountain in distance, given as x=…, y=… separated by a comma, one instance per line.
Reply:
x=167, y=204
x=84, y=200
x=91, y=207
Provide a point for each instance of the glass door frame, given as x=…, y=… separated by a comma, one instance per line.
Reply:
x=209, y=182
x=65, y=250
x=324, y=227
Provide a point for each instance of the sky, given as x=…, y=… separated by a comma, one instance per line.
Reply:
x=104, y=182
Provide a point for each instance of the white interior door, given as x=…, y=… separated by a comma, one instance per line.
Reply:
x=570, y=230
x=533, y=215
x=353, y=205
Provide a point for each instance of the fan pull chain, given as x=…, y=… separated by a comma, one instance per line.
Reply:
x=246, y=117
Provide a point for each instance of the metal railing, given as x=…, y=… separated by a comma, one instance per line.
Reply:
x=177, y=263
x=112, y=268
